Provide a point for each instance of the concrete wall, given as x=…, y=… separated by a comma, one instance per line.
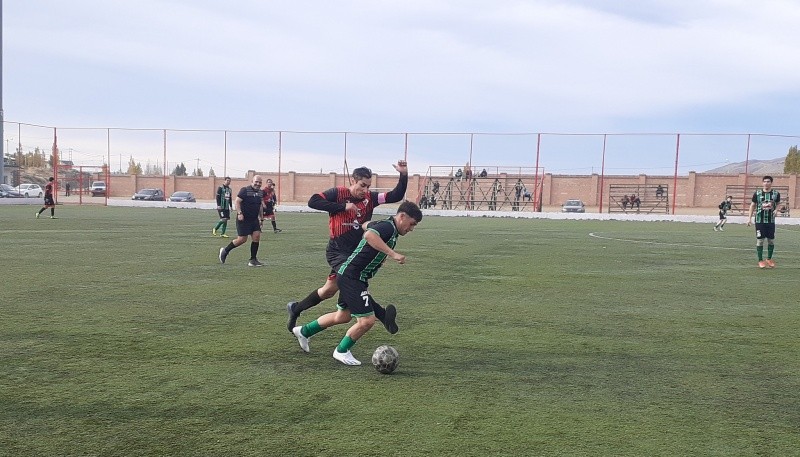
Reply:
x=692, y=191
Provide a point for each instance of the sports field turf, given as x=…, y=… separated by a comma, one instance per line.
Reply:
x=121, y=334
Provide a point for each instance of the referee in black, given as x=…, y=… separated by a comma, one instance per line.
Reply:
x=249, y=217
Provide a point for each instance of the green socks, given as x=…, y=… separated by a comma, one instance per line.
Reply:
x=345, y=344
x=311, y=329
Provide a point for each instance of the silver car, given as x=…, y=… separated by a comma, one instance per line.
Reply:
x=573, y=206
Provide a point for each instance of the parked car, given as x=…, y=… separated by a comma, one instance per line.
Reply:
x=30, y=190
x=98, y=189
x=7, y=191
x=156, y=195
x=573, y=206
x=182, y=197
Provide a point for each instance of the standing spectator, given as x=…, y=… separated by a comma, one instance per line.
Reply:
x=764, y=203
x=249, y=217
x=67, y=189
x=435, y=187
x=48, y=200
x=348, y=208
x=724, y=207
x=517, y=194
x=224, y=204
x=378, y=242
x=270, y=200
x=467, y=172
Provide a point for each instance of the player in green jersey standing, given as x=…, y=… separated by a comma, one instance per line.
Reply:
x=224, y=203
x=764, y=203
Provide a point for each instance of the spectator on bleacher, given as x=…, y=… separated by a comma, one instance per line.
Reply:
x=526, y=194
x=724, y=207
x=435, y=187
x=459, y=174
x=517, y=195
x=625, y=202
x=660, y=191
x=467, y=172
x=483, y=173
x=635, y=201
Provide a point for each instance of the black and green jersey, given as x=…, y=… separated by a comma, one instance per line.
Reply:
x=224, y=197
x=365, y=260
x=766, y=205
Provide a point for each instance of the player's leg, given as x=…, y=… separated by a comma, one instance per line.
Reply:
x=316, y=297
x=355, y=295
x=255, y=241
x=760, y=246
x=770, y=236
x=304, y=332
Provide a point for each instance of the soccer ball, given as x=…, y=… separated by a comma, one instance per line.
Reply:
x=385, y=359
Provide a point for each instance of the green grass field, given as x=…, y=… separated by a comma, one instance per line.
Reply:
x=122, y=335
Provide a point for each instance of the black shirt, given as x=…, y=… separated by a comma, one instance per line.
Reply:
x=251, y=202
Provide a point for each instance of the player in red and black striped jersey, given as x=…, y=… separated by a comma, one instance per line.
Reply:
x=348, y=208
x=48, y=200
x=270, y=200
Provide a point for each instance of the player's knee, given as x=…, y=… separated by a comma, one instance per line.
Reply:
x=760, y=242
x=367, y=322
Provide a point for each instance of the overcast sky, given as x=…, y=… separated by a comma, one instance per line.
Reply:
x=535, y=66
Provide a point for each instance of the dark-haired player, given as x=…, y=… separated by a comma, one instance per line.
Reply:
x=224, y=204
x=378, y=242
x=270, y=200
x=764, y=203
x=48, y=200
x=348, y=208
x=724, y=207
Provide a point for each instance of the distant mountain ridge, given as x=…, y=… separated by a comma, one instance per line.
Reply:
x=755, y=167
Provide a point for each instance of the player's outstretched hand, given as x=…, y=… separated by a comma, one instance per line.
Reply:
x=401, y=167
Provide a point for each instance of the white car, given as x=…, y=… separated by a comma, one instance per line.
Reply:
x=30, y=190
x=98, y=189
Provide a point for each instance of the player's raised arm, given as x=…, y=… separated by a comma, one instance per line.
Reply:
x=399, y=192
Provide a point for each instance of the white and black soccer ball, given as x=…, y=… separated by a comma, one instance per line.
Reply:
x=385, y=359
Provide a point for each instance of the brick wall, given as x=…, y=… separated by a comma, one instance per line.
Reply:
x=693, y=191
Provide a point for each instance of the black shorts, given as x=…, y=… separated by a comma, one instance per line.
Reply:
x=354, y=296
x=335, y=257
x=48, y=200
x=269, y=210
x=247, y=227
x=765, y=230
x=722, y=215
x=224, y=213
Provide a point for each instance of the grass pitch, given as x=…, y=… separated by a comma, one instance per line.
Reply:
x=121, y=334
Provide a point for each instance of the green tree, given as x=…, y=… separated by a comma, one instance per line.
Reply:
x=134, y=168
x=792, y=163
x=179, y=170
x=211, y=172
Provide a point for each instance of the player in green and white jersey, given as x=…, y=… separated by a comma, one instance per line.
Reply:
x=224, y=204
x=764, y=204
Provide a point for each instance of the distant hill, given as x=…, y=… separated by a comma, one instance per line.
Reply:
x=755, y=167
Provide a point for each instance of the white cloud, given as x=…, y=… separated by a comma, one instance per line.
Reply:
x=547, y=65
